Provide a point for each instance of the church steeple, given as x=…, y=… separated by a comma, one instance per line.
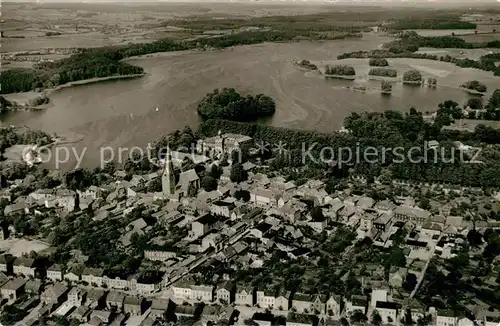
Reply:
x=168, y=177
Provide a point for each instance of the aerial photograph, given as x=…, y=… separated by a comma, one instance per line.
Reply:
x=250, y=162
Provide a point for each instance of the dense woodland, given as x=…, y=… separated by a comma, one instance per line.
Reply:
x=390, y=129
x=229, y=104
x=452, y=23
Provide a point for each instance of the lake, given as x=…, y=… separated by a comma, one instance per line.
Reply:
x=123, y=113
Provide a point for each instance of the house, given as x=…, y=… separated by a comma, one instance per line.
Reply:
x=357, y=302
x=33, y=287
x=115, y=299
x=55, y=272
x=93, y=276
x=73, y=275
x=265, y=298
x=283, y=299
x=388, y=311
x=95, y=298
x=148, y=281
x=3, y=279
x=13, y=288
x=204, y=224
x=222, y=208
x=333, y=305
x=133, y=305
x=413, y=214
x=225, y=292
x=182, y=289
x=294, y=319
x=446, y=318
x=159, y=255
x=6, y=263
x=66, y=199
x=82, y=314
x=24, y=266
x=76, y=296
x=103, y=316
x=116, y=279
x=55, y=293
x=17, y=208
x=318, y=305
x=244, y=296
x=260, y=230
x=263, y=197
x=301, y=303
x=203, y=293
x=382, y=222
x=160, y=307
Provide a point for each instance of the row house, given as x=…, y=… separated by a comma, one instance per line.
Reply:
x=411, y=214
x=357, y=302
x=93, y=276
x=73, y=275
x=185, y=291
x=324, y=304
x=302, y=303
x=159, y=255
x=244, y=296
x=265, y=298
x=225, y=292
x=446, y=318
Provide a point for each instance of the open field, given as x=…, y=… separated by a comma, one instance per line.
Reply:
x=18, y=247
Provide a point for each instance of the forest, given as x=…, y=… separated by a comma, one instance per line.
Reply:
x=383, y=130
x=452, y=23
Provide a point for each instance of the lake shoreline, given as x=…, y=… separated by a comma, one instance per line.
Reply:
x=45, y=93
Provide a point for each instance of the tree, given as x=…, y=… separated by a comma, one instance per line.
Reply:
x=397, y=257
x=317, y=214
x=242, y=195
x=386, y=87
x=425, y=203
x=378, y=62
x=358, y=317
x=412, y=76
x=475, y=103
x=410, y=282
x=215, y=171
x=238, y=174
x=208, y=183
x=376, y=319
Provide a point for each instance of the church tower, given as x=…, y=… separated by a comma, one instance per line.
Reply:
x=168, y=176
